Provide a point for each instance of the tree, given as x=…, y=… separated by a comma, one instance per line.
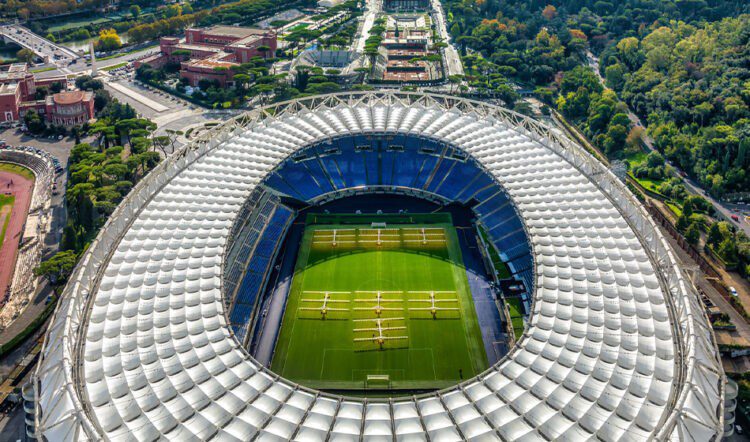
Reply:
x=614, y=140
x=34, y=122
x=58, y=268
x=717, y=233
x=615, y=75
x=630, y=53
x=25, y=55
x=172, y=11
x=683, y=222
x=549, y=12
x=654, y=159
x=88, y=83
x=101, y=99
x=693, y=234
x=135, y=11
x=242, y=80
x=108, y=40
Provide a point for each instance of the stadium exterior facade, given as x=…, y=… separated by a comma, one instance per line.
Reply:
x=618, y=346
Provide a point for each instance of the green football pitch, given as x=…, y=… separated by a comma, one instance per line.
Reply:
x=379, y=302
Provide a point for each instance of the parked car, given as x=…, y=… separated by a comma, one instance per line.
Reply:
x=733, y=291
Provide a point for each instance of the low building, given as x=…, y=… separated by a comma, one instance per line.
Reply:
x=69, y=108
x=10, y=97
x=18, y=73
x=207, y=69
x=203, y=50
x=18, y=92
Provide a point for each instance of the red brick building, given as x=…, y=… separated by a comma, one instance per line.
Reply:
x=207, y=69
x=69, y=108
x=10, y=97
x=210, y=53
x=28, y=84
x=18, y=89
x=244, y=43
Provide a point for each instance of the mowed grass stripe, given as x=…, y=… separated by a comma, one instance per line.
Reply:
x=322, y=353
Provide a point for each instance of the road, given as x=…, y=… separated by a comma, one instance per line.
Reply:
x=724, y=210
x=453, y=65
x=80, y=66
x=373, y=8
x=48, y=51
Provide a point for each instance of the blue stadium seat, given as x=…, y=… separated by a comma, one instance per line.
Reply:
x=259, y=266
x=455, y=182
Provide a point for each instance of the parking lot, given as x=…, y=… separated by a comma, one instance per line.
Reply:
x=147, y=101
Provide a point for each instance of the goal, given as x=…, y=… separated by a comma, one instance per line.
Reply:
x=378, y=381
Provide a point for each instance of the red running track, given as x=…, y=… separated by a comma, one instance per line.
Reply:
x=21, y=187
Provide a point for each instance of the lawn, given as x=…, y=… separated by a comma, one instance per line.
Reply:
x=6, y=204
x=635, y=159
x=45, y=69
x=299, y=27
x=115, y=66
x=675, y=209
x=78, y=23
x=337, y=329
x=18, y=170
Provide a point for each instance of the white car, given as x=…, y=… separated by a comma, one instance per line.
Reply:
x=733, y=291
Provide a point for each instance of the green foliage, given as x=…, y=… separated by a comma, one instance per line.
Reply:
x=58, y=268
x=108, y=40
x=88, y=83
x=690, y=82
x=100, y=175
x=25, y=55
x=731, y=245
x=34, y=122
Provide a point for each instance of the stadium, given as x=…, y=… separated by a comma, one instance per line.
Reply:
x=337, y=267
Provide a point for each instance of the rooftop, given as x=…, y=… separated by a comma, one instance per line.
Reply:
x=71, y=97
x=15, y=71
x=198, y=47
x=211, y=63
x=18, y=67
x=8, y=89
x=233, y=31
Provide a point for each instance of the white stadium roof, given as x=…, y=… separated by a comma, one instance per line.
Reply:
x=618, y=346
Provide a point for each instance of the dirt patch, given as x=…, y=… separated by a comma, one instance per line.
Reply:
x=20, y=187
